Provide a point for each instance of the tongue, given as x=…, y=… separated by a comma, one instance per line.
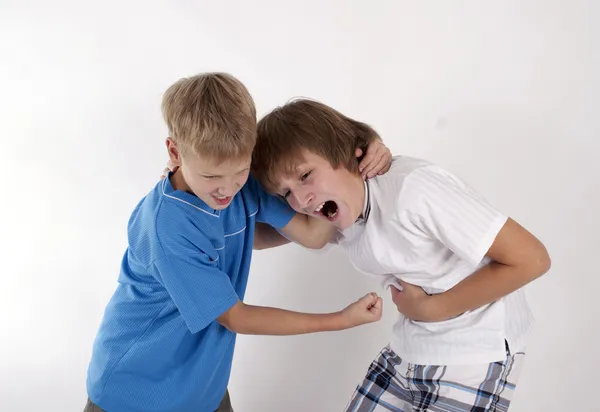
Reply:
x=330, y=209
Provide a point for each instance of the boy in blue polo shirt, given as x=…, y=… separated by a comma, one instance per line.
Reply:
x=167, y=336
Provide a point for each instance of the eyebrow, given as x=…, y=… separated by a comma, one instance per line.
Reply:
x=239, y=171
x=299, y=168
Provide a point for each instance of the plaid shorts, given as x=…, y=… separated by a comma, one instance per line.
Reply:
x=392, y=384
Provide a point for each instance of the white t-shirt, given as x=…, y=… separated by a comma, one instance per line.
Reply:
x=427, y=227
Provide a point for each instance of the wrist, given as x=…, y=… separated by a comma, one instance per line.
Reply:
x=436, y=308
x=343, y=321
x=340, y=321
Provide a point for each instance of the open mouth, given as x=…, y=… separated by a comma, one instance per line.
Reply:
x=222, y=200
x=328, y=209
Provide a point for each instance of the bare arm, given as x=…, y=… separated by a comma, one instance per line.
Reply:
x=518, y=258
x=258, y=320
x=308, y=231
x=266, y=237
x=315, y=233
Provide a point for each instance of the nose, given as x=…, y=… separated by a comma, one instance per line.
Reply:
x=230, y=185
x=228, y=188
x=303, y=197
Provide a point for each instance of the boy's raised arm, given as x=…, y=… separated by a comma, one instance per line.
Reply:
x=315, y=233
x=266, y=237
x=308, y=231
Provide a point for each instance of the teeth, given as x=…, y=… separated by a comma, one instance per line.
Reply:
x=318, y=209
x=332, y=215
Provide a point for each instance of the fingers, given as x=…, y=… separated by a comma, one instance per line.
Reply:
x=368, y=162
x=377, y=159
x=384, y=164
x=370, y=298
x=358, y=152
x=170, y=168
x=376, y=309
x=406, y=285
x=381, y=165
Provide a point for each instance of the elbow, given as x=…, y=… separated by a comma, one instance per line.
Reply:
x=544, y=263
x=540, y=263
x=316, y=244
x=228, y=325
x=230, y=320
x=231, y=325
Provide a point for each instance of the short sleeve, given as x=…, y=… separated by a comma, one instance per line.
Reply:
x=272, y=210
x=199, y=289
x=444, y=207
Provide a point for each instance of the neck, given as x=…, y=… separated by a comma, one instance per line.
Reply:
x=178, y=182
x=358, y=196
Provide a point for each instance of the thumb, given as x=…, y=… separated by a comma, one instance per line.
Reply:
x=358, y=152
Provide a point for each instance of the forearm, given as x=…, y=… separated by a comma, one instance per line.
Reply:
x=489, y=284
x=258, y=320
x=309, y=232
x=266, y=237
x=320, y=232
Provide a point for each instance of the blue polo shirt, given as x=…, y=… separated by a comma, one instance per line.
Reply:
x=159, y=347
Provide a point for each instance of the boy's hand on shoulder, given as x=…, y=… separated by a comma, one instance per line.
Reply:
x=367, y=309
x=377, y=160
x=170, y=168
x=414, y=303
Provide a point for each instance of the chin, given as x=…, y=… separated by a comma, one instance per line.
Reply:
x=342, y=225
x=219, y=207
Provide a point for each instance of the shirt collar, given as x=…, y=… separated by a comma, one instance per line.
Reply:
x=184, y=197
x=364, y=216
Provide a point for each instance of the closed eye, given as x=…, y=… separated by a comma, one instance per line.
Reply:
x=304, y=176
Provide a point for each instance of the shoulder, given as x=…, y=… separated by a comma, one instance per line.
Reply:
x=163, y=226
x=397, y=183
x=413, y=184
x=271, y=208
x=250, y=193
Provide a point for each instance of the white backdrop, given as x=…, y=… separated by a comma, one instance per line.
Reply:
x=503, y=93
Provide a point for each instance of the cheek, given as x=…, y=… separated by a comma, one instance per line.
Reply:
x=241, y=181
x=293, y=203
x=203, y=186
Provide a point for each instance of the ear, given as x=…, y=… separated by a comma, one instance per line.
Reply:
x=174, y=153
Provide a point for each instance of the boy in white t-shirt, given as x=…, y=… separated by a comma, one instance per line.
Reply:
x=454, y=264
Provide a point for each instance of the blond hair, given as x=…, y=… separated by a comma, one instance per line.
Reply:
x=305, y=124
x=211, y=114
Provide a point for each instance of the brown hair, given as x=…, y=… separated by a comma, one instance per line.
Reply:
x=211, y=114
x=310, y=125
